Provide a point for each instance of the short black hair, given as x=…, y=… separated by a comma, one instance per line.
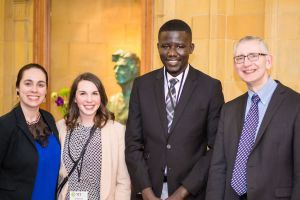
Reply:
x=175, y=25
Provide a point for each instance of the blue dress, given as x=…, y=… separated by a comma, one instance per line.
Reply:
x=47, y=170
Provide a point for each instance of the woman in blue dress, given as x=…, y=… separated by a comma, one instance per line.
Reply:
x=29, y=145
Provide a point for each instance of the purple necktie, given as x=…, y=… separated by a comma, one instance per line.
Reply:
x=239, y=181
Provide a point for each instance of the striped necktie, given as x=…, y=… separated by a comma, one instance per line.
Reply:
x=171, y=101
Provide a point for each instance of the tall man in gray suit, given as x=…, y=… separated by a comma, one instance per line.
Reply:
x=173, y=118
x=257, y=148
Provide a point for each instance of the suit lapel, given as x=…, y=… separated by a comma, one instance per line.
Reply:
x=187, y=91
x=238, y=122
x=106, y=135
x=21, y=123
x=241, y=109
x=274, y=104
x=160, y=99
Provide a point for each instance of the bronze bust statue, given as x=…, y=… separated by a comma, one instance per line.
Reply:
x=126, y=69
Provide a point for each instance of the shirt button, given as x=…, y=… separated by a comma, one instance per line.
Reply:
x=168, y=146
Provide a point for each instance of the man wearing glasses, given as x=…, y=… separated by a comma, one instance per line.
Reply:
x=257, y=148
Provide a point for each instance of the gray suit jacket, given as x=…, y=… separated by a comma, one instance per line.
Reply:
x=149, y=148
x=273, y=168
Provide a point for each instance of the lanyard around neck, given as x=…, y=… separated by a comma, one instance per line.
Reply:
x=81, y=155
x=179, y=91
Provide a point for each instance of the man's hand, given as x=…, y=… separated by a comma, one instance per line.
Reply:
x=148, y=194
x=180, y=194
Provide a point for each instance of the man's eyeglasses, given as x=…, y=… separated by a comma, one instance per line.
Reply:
x=252, y=57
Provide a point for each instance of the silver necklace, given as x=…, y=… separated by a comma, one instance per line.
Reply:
x=35, y=121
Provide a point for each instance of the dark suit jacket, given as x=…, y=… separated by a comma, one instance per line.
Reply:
x=273, y=168
x=149, y=148
x=18, y=155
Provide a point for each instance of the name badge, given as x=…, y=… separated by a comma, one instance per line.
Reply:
x=78, y=195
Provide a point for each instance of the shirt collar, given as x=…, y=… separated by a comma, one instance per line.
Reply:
x=179, y=76
x=265, y=92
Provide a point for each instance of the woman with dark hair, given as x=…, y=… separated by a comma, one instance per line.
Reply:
x=92, y=159
x=29, y=145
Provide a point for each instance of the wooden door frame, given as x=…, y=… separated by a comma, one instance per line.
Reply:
x=147, y=35
x=41, y=39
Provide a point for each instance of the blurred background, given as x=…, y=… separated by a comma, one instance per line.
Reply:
x=69, y=37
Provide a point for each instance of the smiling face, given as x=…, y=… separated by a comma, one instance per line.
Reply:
x=88, y=99
x=254, y=73
x=32, y=88
x=174, y=48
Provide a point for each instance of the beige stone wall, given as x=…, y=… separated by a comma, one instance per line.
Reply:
x=84, y=36
x=285, y=41
x=85, y=33
x=16, y=30
x=1, y=55
x=217, y=24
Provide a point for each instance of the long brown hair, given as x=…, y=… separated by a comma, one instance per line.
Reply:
x=102, y=114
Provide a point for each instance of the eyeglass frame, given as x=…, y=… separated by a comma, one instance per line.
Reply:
x=256, y=56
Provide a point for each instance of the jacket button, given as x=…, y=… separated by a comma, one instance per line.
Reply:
x=168, y=146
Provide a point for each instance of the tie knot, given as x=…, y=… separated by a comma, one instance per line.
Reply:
x=173, y=82
x=255, y=98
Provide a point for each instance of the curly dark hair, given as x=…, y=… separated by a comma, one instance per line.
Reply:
x=102, y=114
